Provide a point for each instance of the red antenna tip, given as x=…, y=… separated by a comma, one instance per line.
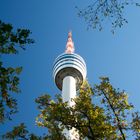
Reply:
x=70, y=44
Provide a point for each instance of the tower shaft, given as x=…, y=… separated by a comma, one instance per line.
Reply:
x=69, y=93
x=69, y=90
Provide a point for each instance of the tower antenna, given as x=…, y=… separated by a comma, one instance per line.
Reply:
x=69, y=44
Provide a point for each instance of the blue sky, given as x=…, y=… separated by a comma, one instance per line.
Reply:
x=116, y=56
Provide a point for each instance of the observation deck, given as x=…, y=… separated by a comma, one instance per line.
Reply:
x=69, y=64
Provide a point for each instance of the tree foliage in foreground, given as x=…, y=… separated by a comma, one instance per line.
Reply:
x=20, y=132
x=99, y=10
x=101, y=112
x=11, y=40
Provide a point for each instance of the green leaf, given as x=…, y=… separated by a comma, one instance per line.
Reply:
x=18, y=70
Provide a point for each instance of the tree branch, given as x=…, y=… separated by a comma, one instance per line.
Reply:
x=111, y=106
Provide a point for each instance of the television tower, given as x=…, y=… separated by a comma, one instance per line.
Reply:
x=69, y=71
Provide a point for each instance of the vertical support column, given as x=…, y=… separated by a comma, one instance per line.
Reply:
x=69, y=92
x=69, y=89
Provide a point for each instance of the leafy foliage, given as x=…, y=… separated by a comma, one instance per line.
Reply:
x=106, y=118
x=10, y=42
x=20, y=132
x=136, y=125
x=99, y=10
x=9, y=82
